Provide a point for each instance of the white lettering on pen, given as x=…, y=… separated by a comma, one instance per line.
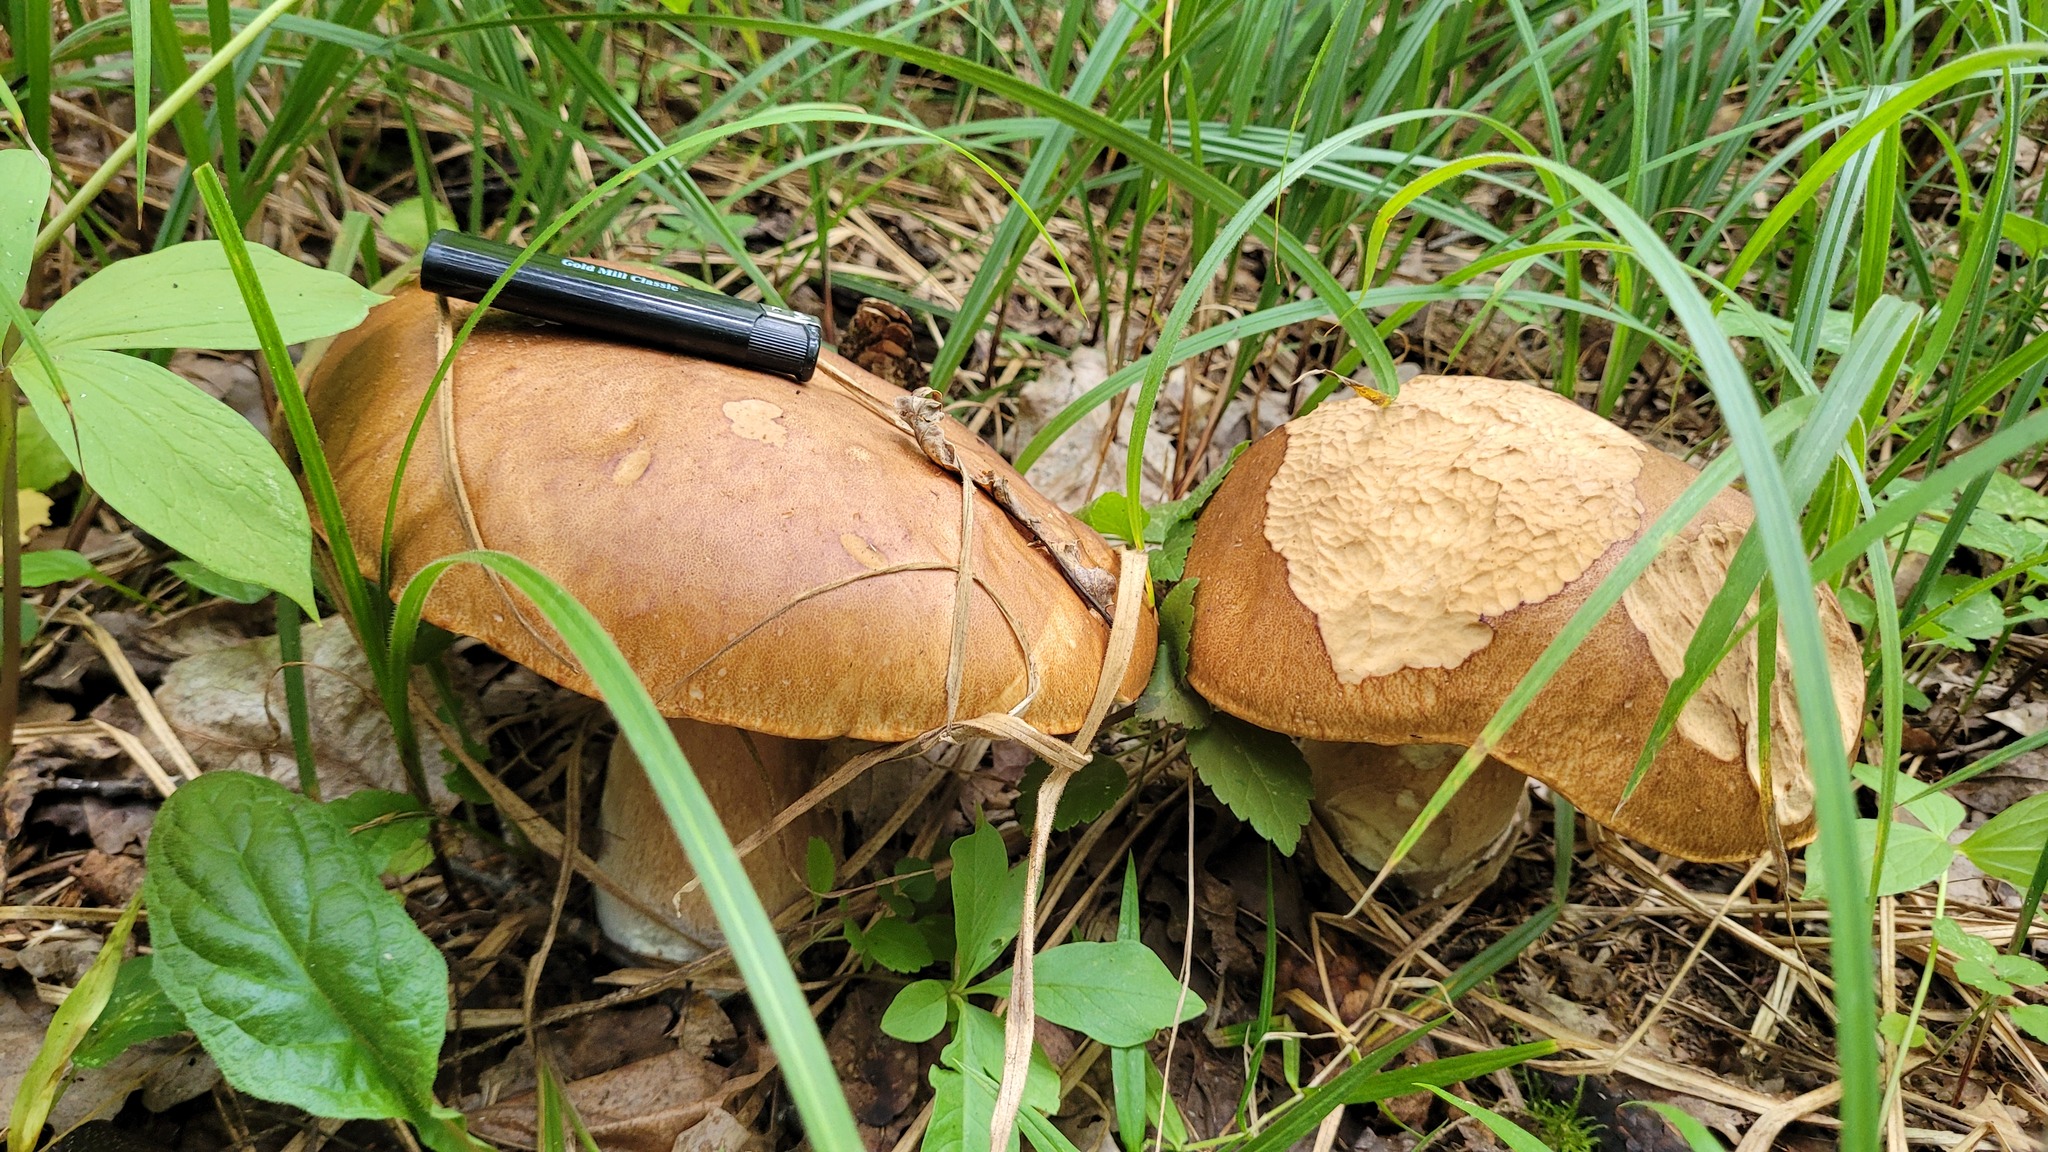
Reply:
x=617, y=274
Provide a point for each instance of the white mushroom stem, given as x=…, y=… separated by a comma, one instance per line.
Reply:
x=750, y=778
x=1369, y=794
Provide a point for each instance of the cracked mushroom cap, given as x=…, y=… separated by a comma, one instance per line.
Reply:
x=1387, y=575
x=768, y=555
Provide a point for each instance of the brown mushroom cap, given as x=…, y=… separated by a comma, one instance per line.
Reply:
x=721, y=524
x=1387, y=575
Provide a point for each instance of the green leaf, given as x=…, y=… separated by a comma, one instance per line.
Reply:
x=1165, y=518
x=2031, y=1019
x=1093, y=790
x=43, y=1081
x=406, y=222
x=918, y=1012
x=1109, y=515
x=1166, y=699
x=1118, y=992
x=42, y=465
x=137, y=1011
x=1260, y=774
x=1169, y=560
x=214, y=584
x=1177, y=623
x=185, y=296
x=1976, y=959
x=896, y=945
x=1939, y=811
x=1913, y=857
x=1697, y=1136
x=977, y=1049
x=820, y=869
x=390, y=827
x=184, y=467
x=304, y=979
x=56, y=566
x=1892, y=1026
x=2023, y=971
x=964, y=1085
x=2026, y=233
x=988, y=898
x=1507, y=1131
x=2009, y=844
x=24, y=191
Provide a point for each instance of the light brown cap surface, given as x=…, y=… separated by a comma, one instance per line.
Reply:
x=1388, y=574
x=725, y=526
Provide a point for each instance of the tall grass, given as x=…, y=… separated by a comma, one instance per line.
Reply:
x=1634, y=181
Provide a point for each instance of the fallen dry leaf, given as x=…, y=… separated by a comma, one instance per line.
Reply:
x=641, y=1107
x=228, y=706
x=719, y=1132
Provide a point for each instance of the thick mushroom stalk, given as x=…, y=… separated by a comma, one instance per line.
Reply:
x=750, y=778
x=1369, y=794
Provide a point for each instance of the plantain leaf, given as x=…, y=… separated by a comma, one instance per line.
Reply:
x=185, y=296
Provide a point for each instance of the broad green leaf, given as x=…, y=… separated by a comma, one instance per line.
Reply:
x=2008, y=846
x=24, y=191
x=391, y=828
x=977, y=1048
x=137, y=1011
x=1170, y=559
x=988, y=897
x=305, y=980
x=961, y=1119
x=183, y=466
x=1697, y=1136
x=1913, y=857
x=1939, y=811
x=896, y=945
x=214, y=584
x=2024, y=971
x=55, y=566
x=964, y=1086
x=41, y=464
x=1118, y=991
x=918, y=1012
x=43, y=1081
x=1976, y=960
x=185, y=296
x=2026, y=233
x=1109, y=515
x=1093, y=790
x=1892, y=1026
x=1260, y=774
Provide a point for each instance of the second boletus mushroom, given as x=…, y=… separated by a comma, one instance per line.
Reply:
x=1375, y=577
x=776, y=561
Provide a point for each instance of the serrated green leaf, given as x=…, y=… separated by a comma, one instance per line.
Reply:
x=1093, y=790
x=305, y=980
x=1259, y=774
x=24, y=191
x=55, y=566
x=2009, y=844
x=390, y=827
x=1177, y=623
x=1166, y=700
x=988, y=897
x=896, y=945
x=1169, y=561
x=1118, y=991
x=185, y=296
x=183, y=466
x=41, y=464
x=137, y=1011
x=1913, y=857
x=918, y=1012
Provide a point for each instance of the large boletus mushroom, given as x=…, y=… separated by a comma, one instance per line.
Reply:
x=1385, y=575
x=775, y=561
